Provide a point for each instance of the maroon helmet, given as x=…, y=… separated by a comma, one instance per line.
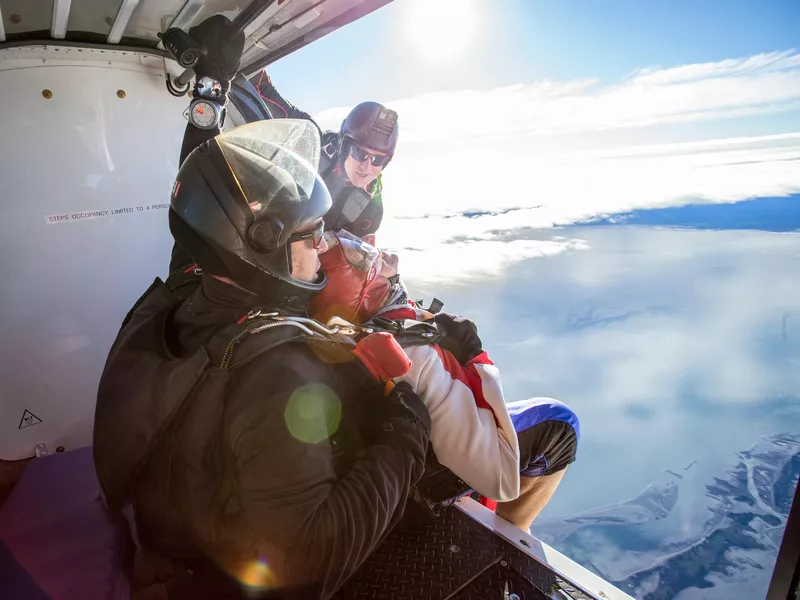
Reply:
x=370, y=125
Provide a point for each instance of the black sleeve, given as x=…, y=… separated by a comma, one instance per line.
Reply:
x=194, y=137
x=279, y=106
x=314, y=527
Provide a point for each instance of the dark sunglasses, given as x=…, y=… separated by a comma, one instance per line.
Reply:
x=358, y=153
x=315, y=236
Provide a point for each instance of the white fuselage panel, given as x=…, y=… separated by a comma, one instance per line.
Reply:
x=88, y=155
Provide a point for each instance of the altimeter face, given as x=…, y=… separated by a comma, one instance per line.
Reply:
x=203, y=114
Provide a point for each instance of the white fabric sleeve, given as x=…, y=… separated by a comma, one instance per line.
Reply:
x=471, y=432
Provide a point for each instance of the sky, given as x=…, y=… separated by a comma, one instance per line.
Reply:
x=391, y=53
x=527, y=115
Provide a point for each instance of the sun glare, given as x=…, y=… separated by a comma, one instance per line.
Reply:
x=441, y=30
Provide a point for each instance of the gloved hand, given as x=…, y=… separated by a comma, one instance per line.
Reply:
x=460, y=336
x=404, y=421
x=404, y=403
x=220, y=50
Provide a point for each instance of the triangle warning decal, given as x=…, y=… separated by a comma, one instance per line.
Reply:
x=28, y=419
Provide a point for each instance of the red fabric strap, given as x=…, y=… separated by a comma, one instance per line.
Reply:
x=382, y=356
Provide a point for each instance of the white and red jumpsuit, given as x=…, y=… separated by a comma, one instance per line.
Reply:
x=483, y=440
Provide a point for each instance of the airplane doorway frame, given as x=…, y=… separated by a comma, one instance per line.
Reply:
x=785, y=583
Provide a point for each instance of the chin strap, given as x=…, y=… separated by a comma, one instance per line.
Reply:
x=296, y=304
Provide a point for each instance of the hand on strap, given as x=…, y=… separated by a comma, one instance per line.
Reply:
x=220, y=50
x=403, y=417
x=405, y=422
x=460, y=336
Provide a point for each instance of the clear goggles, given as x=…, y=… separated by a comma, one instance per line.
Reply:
x=359, y=254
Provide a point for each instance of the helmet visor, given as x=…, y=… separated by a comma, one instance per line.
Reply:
x=256, y=149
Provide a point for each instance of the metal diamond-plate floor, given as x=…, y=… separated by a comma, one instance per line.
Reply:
x=453, y=558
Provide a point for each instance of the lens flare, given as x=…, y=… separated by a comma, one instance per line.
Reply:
x=258, y=575
x=322, y=312
x=313, y=413
x=332, y=354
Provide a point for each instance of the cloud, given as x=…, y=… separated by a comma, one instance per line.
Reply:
x=666, y=312
x=478, y=168
x=763, y=63
x=464, y=263
x=764, y=83
x=668, y=344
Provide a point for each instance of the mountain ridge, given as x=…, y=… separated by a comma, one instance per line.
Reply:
x=691, y=534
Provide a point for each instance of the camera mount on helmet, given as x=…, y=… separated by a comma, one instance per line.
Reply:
x=369, y=125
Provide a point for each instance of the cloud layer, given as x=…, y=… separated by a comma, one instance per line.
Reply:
x=670, y=344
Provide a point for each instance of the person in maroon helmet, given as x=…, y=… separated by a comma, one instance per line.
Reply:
x=352, y=161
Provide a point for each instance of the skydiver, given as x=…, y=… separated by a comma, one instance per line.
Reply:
x=515, y=453
x=254, y=467
x=353, y=158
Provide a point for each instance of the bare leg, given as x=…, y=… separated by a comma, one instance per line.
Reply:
x=535, y=493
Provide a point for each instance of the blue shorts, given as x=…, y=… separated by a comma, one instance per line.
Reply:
x=548, y=433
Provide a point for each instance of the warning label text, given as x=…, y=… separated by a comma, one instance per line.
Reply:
x=87, y=215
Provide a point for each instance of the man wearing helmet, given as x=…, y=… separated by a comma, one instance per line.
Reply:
x=352, y=158
x=232, y=448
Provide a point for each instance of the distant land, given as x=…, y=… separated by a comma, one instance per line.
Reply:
x=691, y=535
x=764, y=214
